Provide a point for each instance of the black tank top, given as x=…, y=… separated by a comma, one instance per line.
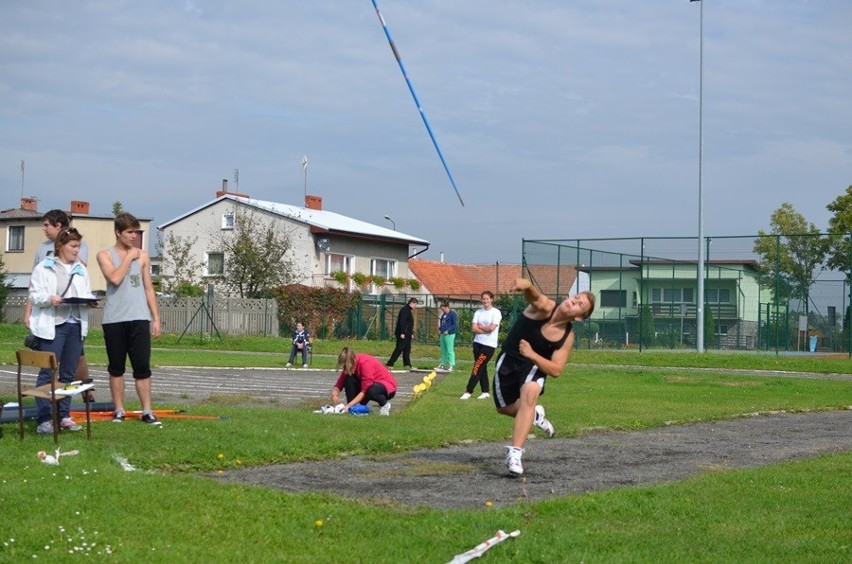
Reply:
x=530, y=329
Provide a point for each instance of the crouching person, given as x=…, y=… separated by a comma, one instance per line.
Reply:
x=363, y=378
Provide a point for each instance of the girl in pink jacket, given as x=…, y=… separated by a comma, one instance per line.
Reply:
x=364, y=378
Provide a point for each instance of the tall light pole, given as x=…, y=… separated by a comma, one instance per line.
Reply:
x=699, y=317
x=387, y=217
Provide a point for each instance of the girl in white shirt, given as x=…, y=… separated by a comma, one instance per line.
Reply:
x=485, y=327
x=60, y=326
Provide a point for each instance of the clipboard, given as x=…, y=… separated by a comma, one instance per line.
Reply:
x=79, y=300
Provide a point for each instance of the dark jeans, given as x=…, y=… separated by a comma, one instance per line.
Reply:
x=481, y=355
x=377, y=392
x=67, y=345
x=402, y=346
x=295, y=349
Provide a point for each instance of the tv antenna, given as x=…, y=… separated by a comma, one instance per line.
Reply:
x=304, y=162
x=237, y=179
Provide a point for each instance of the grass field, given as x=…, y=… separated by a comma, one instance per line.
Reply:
x=165, y=512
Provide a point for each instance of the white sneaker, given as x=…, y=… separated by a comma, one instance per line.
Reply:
x=69, y=424
x=483, y=395
x=465, y=396
x=288, y=365
x=542, y=423
x=513, y=460
x=45, y=428
x=304, y=366
x=385, y=409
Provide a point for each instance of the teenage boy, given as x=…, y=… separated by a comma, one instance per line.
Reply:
x=131, y=315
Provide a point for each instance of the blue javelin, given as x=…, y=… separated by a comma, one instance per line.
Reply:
x=416, y=100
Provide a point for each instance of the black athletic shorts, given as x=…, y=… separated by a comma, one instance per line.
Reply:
x=511, y=373
x=128, y=339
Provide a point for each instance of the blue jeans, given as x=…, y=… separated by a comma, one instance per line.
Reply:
x=67, y=345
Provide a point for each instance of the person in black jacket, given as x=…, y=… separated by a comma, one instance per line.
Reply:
x=404, y=334
x=301, y=343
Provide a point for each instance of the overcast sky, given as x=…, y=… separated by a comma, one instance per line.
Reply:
x=558, y=119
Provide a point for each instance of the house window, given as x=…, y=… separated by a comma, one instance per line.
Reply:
x=215, y=264
x=721, y=329
x=337, y=263
x=717, y=295
x=613, y=298
x=15, y=238
x=635, y=299
x=671, y=295
x=383, y=267
x=228, y=220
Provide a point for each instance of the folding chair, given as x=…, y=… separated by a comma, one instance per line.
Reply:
x=54, y=391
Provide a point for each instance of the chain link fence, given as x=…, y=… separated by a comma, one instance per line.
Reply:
x=766, y=292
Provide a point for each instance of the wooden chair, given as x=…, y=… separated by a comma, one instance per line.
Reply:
x=42, y=359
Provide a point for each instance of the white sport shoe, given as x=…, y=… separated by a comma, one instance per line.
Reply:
x=465, y=396
x=304, y=366
x=288, y=365
x=69, y=424
x=542, y=423
x=45, y=428
x=385, y=409
x=483, y=395
x=513, y=460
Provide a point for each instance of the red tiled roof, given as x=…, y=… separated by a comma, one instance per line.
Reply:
x=443, y=279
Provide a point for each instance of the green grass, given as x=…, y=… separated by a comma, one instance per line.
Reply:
x=792, y=512
x=268, y=352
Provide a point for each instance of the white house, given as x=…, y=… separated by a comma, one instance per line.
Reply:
x=322, y=242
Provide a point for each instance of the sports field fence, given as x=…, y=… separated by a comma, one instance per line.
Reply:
x=761, y=293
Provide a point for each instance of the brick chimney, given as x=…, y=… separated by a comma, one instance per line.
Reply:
x=29, y=204
x=224, y=190
x=79, y=208
x=313, y=202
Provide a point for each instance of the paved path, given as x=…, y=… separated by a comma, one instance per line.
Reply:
x=289, y=387
x=469, y=475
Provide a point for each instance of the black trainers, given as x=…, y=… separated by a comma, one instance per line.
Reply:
x=151, y=419
x=118, y=417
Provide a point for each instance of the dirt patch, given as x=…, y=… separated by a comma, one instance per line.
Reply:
x=466, y=476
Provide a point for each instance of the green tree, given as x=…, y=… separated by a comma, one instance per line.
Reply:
x=709, y=326
x=840, y=226
x=794, y=253
x=647, y=328
x=4, y=287
x=255, y=256
x=179, y=268
x=117, y=207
